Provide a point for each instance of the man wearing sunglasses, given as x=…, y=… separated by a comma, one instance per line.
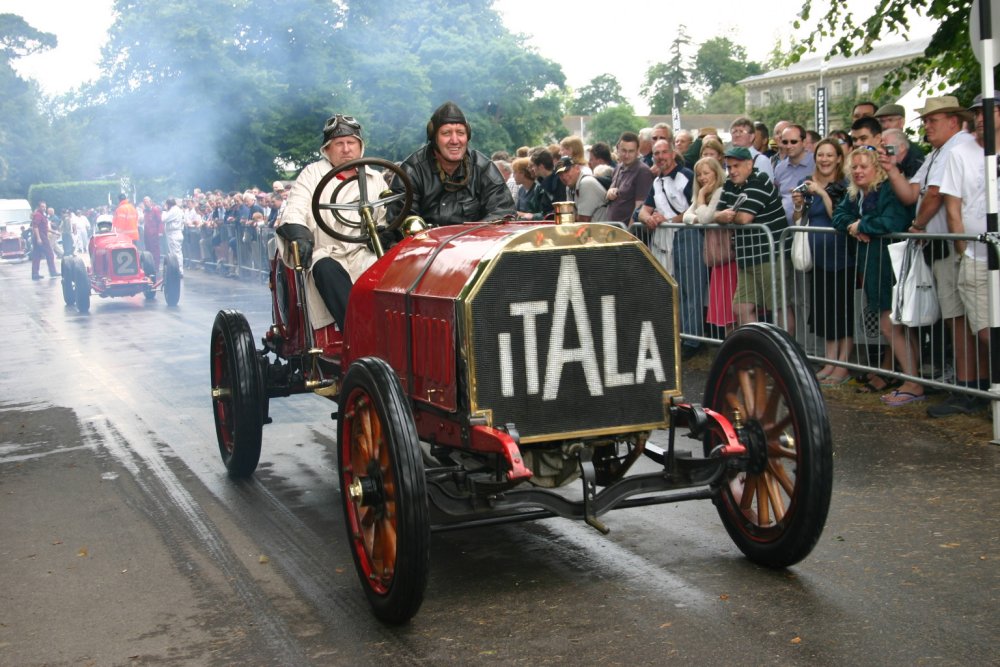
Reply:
x=451, y=183
x=331, y=265
x=796, y=165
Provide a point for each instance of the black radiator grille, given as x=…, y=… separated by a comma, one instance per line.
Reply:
x=606, y=362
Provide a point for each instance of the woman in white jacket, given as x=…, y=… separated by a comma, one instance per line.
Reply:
x=718, y=255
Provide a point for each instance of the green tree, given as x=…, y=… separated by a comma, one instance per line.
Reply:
x=729, y=98
x=609, y=124
x=231, y=94
x=949, y=55
x=665, y=84
x=602, y=92
x=28, y=153
x=719, y=61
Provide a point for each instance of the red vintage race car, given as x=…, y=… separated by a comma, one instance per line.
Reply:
x=114, y=267
x=485, y=364
x=13, y=245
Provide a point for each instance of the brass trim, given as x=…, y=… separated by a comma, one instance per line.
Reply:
x=542, y=238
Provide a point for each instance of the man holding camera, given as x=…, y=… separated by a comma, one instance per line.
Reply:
x=797, y=164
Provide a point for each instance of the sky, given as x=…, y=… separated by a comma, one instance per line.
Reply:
x=621, y=37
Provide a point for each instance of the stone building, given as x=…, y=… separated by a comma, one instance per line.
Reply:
x=854, y=78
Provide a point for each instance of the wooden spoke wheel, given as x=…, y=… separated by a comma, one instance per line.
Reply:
x=774, y=501
x=384, y=491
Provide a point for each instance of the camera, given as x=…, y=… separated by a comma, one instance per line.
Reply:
x=802, y=189
x=890, y=149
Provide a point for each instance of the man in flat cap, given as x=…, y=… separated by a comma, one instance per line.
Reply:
x=893, y=117
x=453, y=184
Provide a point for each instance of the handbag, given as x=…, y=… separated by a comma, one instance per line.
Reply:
x=802, y=258
x=914, y=296
x=718, y=248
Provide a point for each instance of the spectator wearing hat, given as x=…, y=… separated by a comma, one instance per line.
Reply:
x=963, y=187
x=451, y=183
x=893, y=117
x=585, y=190
x=943, y=119
x=750, y=198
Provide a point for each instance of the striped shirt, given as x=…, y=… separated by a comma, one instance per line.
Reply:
x=764, y=203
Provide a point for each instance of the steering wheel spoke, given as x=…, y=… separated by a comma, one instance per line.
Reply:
x=362, y=202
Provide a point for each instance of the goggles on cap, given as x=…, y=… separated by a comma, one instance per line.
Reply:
x=341, y=126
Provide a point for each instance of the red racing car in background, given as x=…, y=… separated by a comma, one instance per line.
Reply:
x=486, y=364
x=114, y=267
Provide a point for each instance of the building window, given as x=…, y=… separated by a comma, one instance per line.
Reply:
x=811, y=91
x=836, y=88
x=765, y=98
x=788, y=93
x=862, y=84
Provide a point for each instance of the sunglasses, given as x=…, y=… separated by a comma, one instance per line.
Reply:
x=789, y=141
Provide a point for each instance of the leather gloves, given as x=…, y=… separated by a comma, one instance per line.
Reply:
x=301, y=235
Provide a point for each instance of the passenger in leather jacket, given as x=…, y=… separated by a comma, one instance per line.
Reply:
x=453, y=184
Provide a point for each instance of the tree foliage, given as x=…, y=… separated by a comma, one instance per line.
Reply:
x=949, y=55
x=28, y=152
x=666, y=84
x=719, y=61
x=609, y=124
x=602, y=92
x=231, y=94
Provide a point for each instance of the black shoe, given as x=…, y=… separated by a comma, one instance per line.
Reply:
x=957, y=404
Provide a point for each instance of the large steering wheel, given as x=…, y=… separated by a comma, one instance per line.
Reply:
x=363, y=206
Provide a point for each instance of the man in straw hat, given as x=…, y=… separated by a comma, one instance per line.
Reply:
x=944, y=120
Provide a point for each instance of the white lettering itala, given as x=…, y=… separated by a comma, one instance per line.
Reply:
x=569, y=296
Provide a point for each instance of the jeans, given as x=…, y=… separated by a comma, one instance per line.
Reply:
x=692, y=281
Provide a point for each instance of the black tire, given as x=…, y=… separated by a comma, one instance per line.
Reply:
x=171, y=280
x=237, y=393
x=68, y=288
x=146, y=262
x=761, y=372
x=388, y=527
x=81, y=278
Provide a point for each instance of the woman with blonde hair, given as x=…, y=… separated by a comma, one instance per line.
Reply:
x=573, y=147
x=869, y=211
x=718, y=247
x=832, y=316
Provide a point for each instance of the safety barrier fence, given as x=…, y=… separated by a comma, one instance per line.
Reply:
x=839, y=310
x=828, y=310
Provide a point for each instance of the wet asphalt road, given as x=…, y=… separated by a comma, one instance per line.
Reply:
x=122, y=541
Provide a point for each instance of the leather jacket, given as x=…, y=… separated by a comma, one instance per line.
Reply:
x=484, y=196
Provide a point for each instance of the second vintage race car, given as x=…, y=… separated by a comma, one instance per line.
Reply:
x=486, y=365
x=114, y=267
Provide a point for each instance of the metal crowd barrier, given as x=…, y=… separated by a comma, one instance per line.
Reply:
x=229, y=249
x=801, y=296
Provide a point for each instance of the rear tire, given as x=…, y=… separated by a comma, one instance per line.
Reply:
x=238, y=396
x=171, y=280
x=773, y=502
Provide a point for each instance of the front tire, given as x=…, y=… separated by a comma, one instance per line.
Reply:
x=171, y=280
x=774, y=502
x=384, y=490
x=238, y=396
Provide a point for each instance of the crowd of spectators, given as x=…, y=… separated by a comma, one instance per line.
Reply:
x=861, y=184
